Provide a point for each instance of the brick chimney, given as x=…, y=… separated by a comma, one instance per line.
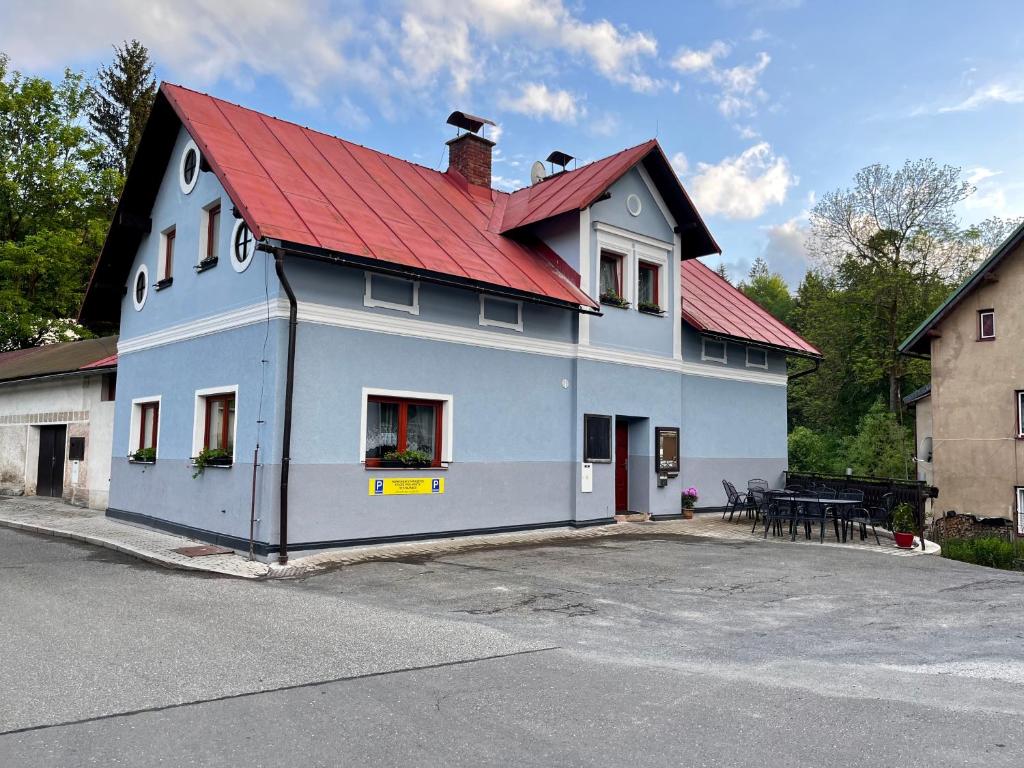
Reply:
x=470, y=155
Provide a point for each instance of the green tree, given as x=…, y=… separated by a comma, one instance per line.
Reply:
x=723, y=272
x=882, y=446
x=55, y=205
x=895, y=231
x=811, y=451
x=120, y=102
x=769, y=290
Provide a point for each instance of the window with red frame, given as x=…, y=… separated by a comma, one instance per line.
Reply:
x=219, y=428
x=212, y=230
x=168, y=255
x=611, y=274
x=395, y=425
x=647, y=284
x=149, y=421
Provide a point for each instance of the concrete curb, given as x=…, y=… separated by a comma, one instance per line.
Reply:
x=141, y=554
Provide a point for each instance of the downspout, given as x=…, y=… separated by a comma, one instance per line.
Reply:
x=798, y=374
x=289, y=387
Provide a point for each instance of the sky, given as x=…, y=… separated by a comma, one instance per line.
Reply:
x=762, y=105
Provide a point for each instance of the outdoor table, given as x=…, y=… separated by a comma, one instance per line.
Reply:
x=817, y=500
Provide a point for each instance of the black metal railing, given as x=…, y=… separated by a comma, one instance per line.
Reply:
x=912, y=492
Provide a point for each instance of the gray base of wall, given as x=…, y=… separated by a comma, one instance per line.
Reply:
x=263, y=548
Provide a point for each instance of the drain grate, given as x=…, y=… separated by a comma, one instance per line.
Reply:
x=202, y=550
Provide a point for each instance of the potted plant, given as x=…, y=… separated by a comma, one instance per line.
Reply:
x=690, y=497
x=903, y=523
x=409, y=458
x=612, y=298
x=650, y=307
x=143, y=456
x=211, y=457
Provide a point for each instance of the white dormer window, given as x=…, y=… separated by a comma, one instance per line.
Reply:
x=389, y=292
x=757, y=357
x=188, y=167
x=713, y=350
x=501, y=313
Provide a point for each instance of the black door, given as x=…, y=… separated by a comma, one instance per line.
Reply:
x=50, y=480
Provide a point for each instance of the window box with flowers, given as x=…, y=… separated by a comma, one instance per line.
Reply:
x=650, y=308
x=613, y=299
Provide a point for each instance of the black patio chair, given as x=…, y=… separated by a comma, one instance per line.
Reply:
x=863, y=517
x=779, y=508
x=735, y=499
x=812, y=513
x=757, y=503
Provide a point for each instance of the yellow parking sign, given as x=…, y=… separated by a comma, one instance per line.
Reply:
x=406, y=486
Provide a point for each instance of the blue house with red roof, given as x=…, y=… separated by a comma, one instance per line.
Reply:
x=322, y=345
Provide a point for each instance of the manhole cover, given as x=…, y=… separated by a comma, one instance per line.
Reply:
x=203, y=549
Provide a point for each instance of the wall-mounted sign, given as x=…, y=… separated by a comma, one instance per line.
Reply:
x=406, y=486
x=666, y=449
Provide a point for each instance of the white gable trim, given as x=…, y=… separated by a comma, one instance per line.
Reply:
x=658, y=199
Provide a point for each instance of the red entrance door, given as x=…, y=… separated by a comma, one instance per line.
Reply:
x=621, y=466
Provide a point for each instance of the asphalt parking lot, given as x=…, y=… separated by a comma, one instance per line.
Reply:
x=638, y=651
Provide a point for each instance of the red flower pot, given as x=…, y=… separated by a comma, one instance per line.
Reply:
x=904, y=540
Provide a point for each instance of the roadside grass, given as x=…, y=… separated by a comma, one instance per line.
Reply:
x=988, y=551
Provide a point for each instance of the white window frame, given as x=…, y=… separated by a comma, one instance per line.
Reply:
x=447, y=417
x=1020, y=510
x=704, y=356
x=135, y=427
x=981, y=324
x=1020, y=412
x=204, y=230
x=239, y=223
x=187, y=187
x=142, y=270
x=484, y=320
x=633, y=248
x=161, y=257
x=763, y=351
x=369, y=301
x=199, y=417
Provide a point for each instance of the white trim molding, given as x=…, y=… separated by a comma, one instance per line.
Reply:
x=135, y=425
x=585, y=258
x=369, y=301
x=658, y=199
x=629, y=237
x=375, y=322
x=484, y=320
x=447, y=417
x=199, y=417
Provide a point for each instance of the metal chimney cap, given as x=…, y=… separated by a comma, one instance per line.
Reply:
x=559, y=158
x=468, y=122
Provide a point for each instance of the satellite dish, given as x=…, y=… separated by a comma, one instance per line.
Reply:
x=536, y=171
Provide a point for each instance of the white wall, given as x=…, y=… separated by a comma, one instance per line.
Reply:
x=72, y=400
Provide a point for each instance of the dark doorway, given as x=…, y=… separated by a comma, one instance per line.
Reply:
x=50, y=478
x=621, y=466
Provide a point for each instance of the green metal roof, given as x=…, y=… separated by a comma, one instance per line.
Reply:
x=912, y=345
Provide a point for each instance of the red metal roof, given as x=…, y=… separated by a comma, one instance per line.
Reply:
x=106, y=362
x=307, y=188
x=712, y=305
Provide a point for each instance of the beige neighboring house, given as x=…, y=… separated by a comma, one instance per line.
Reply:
x=57, y=420
x=970, y=420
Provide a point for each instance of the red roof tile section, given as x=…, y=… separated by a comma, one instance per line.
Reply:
x=571, y=191
x=712, y=305
x=307, y=188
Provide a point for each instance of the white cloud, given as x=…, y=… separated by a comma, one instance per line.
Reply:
x=989, y=196
x=689, y=60
x=739, y=86
x=538, y=101
x=996, y=93
x=742, y=187
x=785, y=250
x=680, y=163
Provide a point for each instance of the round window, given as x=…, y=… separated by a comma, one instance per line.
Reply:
x=189, y=167
x=140, y=289
x=633, y=205
x=243, y=245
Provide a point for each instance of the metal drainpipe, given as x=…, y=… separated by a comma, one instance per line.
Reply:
x=798, y=374
x=286, y=441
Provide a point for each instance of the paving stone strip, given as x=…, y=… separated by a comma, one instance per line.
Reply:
x=55, y=518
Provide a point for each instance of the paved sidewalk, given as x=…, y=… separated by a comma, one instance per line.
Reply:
x=54, y=518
